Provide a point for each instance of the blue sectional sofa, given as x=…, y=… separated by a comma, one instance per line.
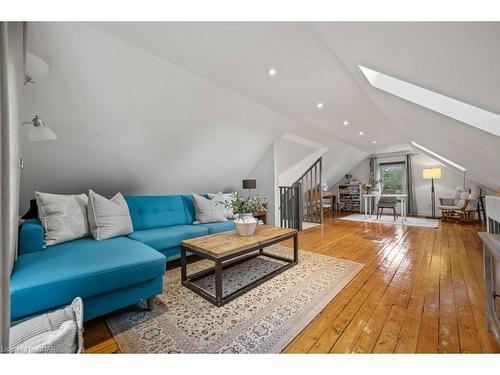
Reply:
x=162, y=222
x=109, y=274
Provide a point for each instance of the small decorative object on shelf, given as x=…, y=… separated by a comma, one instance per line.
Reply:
x=348, y=178
x=244, y=208
x=350, y=196
x=367, y=188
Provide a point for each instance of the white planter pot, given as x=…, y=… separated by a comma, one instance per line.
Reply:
x=245, y=225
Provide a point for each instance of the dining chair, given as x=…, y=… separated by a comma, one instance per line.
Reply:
x=387, y=202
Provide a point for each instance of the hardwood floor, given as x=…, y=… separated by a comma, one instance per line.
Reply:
x=421, y=291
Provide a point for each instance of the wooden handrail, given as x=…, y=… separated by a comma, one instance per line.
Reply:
x=309, y=170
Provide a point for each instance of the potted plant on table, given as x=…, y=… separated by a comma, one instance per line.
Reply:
x=244, y=209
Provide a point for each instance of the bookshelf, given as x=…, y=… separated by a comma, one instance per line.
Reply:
x=350, y=196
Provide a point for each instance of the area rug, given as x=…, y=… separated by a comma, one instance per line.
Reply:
x=263, y=320
x=387, y=219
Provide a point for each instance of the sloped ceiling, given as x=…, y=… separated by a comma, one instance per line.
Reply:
x=132, y=121
x=125, y=98
x=318, y=62
x=459, y=60
x=238, y=56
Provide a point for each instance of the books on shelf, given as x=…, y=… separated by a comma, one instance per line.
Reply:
x=350, y=196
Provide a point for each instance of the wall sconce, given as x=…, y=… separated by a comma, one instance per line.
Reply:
x=40, y=132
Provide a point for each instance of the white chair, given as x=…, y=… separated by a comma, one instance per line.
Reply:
x=462, y=205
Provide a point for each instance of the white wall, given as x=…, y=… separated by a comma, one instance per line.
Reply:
x=445, y=187
x=265, y=174
x=360, y=173
x=339, y=160
x=290, y=176
x=289, y=153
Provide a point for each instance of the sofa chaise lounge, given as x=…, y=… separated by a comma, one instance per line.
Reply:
x=108, y=274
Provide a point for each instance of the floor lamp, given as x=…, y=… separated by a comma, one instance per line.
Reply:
x=432, y=174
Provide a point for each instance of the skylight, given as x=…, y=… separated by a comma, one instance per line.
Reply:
x=466, y=113
x=438, y=157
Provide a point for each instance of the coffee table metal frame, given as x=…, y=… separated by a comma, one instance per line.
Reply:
x=230, y=260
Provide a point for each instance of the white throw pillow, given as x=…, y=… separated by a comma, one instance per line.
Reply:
x=50, y=332
x=108, y=217
x=59, y=341
x=463, y=196
x=64, y=217
x=207, y=211
x=221, y=198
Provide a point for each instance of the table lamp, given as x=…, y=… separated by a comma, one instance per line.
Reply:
x=432, y=174
x=249, y=184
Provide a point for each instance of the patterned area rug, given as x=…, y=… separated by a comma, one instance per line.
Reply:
x=263, y=320
x=388, y=219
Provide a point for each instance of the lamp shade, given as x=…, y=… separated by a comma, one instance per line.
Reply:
x=431, y=173
x=41, y=133
x=249, y=184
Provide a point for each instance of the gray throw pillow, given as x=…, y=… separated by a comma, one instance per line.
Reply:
x=64, y=217
x=207, y=210
x=220, y=199
x=108, y=217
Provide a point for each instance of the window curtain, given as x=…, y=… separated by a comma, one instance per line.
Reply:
x=373, y=164
x=11, y=80
x=411, y=204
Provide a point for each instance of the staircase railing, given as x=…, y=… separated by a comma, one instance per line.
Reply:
x=290, y=206
x=303, y=201
x=311, y=189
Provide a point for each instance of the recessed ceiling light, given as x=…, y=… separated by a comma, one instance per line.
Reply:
x=361, y=132
x=374, y=142
x=272, y=72
x=346, y=122
x=320, y=105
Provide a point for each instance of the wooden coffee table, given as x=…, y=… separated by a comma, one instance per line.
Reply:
x=228, y=249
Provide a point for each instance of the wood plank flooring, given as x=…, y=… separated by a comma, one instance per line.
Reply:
x=421, y=291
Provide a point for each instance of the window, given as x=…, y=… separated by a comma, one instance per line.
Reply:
x=392, y=176
x=466, y=113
